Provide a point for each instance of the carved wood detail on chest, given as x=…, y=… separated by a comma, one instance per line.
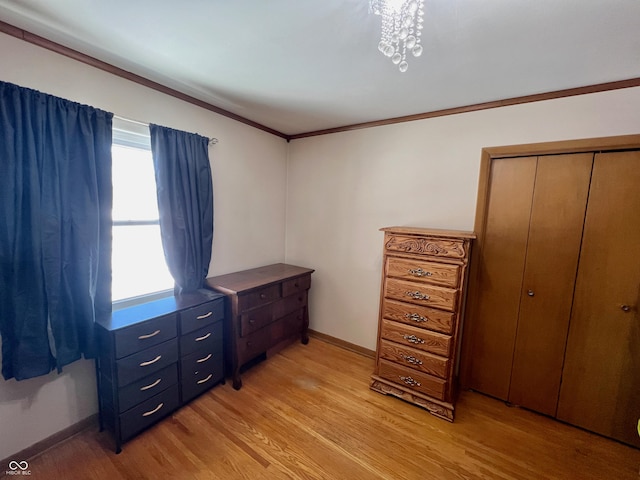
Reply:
x=426, y=246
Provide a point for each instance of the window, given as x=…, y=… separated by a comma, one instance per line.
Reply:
x=137, y=261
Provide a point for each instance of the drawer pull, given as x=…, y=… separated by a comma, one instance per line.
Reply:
x=206, y=315
x=417, y=295
x=144, y=337
x=142, y=389
x=150, y=362
x=415, y=317
x=200, y=382
x=412, y=360
x=412, y=339
x=410, y=381
x=625, y=308
x=204, y=337
x=151, y=412
x=418, y=272
x=202, y=360
x=263, y=296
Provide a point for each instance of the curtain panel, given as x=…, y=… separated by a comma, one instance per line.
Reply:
x=185, y=203
x=55, y=229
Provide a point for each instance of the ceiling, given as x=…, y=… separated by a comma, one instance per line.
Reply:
x=299, y=66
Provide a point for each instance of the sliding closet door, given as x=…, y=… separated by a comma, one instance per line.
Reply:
x=501, y=267
x=601, y=378
x=553, y=248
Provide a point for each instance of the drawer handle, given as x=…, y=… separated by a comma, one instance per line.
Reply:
x=200, y=382
x=150, y=362
x=412, y=339
x=204, y=337
x=415, y=317
x=411, y=359
x=417, y=295
x=206, y=315
x=625, y=308
x=263, y=296
x=411, y=381
x=202, y=360
x=151, y=412
x=142, y=389
x=418, y=272
x=144, y=337
x=252, y=321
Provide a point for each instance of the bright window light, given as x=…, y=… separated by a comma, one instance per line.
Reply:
x=137, y=260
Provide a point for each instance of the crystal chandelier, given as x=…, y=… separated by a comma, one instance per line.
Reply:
x=402, y=24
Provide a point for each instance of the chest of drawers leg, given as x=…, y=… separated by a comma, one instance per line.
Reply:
x=421, y=302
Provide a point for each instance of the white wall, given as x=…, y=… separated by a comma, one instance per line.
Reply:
x=249, y=176
x=343, y=187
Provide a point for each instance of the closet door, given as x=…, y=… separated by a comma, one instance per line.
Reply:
x=601, y=378
x=528, y=266
x=501, y=267
x=553, y=248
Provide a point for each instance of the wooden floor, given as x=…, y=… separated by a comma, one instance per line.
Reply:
x=307, y=413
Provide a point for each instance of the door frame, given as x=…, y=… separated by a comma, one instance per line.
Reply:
x=488, y=155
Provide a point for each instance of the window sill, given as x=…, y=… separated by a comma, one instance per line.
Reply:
x=139, y=300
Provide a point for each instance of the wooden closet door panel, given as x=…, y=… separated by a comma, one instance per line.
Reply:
x=601, y=378
x=501, y=266
x=555, y=233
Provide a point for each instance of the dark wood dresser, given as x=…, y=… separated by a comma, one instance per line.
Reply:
x=423, y=291
x=155, y=357
x=267, y=309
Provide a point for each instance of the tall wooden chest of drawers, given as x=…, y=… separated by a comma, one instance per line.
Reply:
x=267, y=308
x=423, y=291
x=154, y=357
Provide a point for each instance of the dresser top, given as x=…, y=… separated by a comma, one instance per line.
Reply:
x=433, y=232
x=256, y=277
x=156, y=308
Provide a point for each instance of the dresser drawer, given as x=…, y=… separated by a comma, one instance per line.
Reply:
x=414, y=358
x=147, y=387
x=290, y=304
x=256, y=319
x=202, y=359
x=198, y=381
x=144, y=335
x=416, y=337
x=209, y=336
x=421, y=294
x=415, y=315
x=197, y=317
x=144, y=363
x=436, y=247
x=422, y=271
x=289, y=287
x=407, y=377
x=149, y=412
x=259, y=297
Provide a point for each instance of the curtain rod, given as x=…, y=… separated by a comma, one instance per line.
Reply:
x=212, y=141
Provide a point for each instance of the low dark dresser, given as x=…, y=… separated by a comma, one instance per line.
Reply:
x=267, y=308
x=153, y=358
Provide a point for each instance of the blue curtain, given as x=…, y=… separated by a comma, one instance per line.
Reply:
x=55, y=229
x=185, y=203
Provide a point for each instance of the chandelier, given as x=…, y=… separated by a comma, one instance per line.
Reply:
x=402, y=24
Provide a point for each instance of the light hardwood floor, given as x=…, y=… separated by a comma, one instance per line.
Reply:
x=307, y=413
